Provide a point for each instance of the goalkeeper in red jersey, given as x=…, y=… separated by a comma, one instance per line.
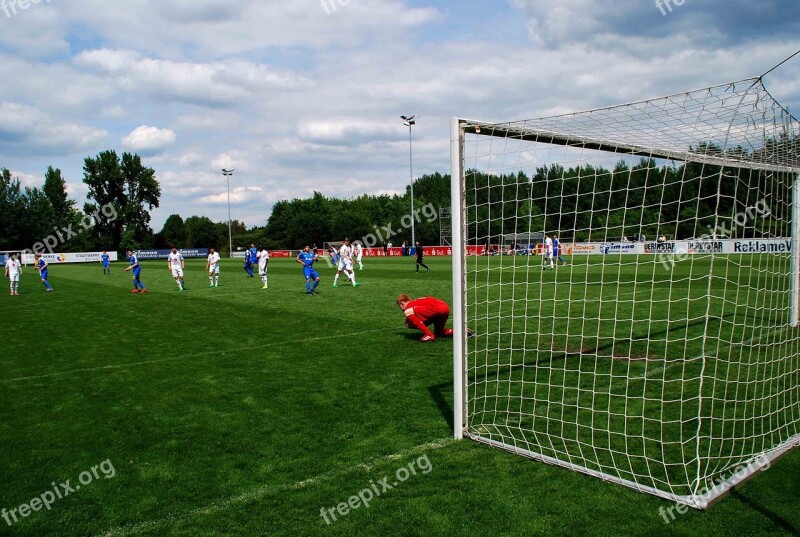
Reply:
x=426, y=311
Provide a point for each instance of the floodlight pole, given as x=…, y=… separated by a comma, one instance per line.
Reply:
x=409, y=122
x=227, y=174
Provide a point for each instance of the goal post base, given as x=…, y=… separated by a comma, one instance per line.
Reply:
x=697, y=501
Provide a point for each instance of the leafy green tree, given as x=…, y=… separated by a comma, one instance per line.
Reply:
x=126, y=185
x=11, y=211
x=201, y=232
x=174, y=232
x=55, y=189
x=128, y=241
x=39, y=217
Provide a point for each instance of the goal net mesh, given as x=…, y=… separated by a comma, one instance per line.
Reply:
x=661, y=350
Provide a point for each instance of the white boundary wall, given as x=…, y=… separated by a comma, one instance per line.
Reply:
x=73, y=257
x=700, y=246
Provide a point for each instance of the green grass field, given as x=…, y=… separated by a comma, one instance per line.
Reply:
x=240, y=411
x=606, y=363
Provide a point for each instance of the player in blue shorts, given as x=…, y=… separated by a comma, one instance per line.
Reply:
x=307, y=258
x=41, y=266
x=137, y=271
x=334, y=256
x=557, y=250
x=105, y=260
x=250, y=259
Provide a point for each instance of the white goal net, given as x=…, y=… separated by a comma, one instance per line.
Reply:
x=658, y=347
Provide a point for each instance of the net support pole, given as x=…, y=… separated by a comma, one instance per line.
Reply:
x=457, y=224
x=795, y=281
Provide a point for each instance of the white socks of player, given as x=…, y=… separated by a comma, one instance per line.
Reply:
x=352, y=277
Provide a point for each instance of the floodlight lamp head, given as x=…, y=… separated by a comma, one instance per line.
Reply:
x=409, y=120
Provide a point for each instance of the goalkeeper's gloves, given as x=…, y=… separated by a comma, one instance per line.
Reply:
x=413, y=319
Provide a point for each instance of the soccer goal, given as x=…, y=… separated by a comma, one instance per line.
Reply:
x=671, y=366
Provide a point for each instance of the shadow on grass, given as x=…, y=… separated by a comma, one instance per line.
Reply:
x=437, y=394
x=558, y=355
x=779, y=521
x=410, y=335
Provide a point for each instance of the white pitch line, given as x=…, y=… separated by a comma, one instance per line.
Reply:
x=177, y=358
x=258, y=493
x=761, y=337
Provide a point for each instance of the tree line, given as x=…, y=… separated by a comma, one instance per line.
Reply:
x=582, y=203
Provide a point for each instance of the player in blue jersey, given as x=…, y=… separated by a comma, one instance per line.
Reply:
x=557, y=250
x=41, y=266
x=334, y=252
x=247, y=263
x=307, y=258
x=105, y=260
x=137, y=271
x=250, y=259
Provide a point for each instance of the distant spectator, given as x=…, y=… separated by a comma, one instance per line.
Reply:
x=385, y=249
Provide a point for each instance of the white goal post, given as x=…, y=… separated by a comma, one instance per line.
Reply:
x=670, y=366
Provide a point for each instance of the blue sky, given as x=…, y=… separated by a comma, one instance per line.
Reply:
x=304, y=95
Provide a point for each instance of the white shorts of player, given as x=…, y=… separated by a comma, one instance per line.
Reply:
x=177, y=272
x=340, y=266
x=262, y=271
x=13, y=277
x=214, y=269
x=346, y=265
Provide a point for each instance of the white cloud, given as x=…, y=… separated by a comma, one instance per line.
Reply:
x=297, y=99
x=209, y=84
x=146, y=139
x=28, y=179
x=29, y=131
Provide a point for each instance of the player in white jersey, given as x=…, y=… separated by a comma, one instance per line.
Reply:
x=13, y=270
x=212, y=267
x=547, y=252
x=263, y=263
x=345, y=264
x=176, y=266
x=359, y=251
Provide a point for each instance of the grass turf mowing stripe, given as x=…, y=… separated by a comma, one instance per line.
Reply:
x=193, y=355
x=258, y=493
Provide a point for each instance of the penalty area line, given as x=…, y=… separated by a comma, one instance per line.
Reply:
x=260, y=492
x=183, y=356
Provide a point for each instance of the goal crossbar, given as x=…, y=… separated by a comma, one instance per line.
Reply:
x=732, y=138
x=503, y=130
